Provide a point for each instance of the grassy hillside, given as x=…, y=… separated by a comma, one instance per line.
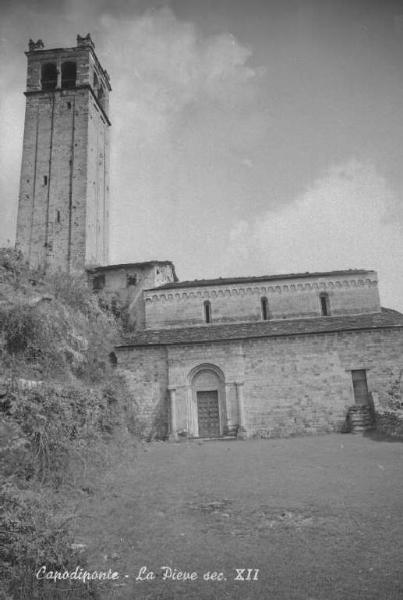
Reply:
x=63, y=414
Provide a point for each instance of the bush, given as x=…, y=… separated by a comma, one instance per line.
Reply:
x=24, y=330
x=61, y=403
x=52, y=436
x=73, y=291
x=13, y=267
x=49, y=432
x=34, y=532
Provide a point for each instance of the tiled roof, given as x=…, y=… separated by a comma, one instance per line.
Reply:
x=387, y=318
x=229, y=280
x=139, y=265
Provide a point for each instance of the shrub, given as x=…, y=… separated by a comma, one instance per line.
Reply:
x=52, y=429
x=13, y=268
x=34, y=532
x=24, y=330
x=73, y=291
x=55, y=424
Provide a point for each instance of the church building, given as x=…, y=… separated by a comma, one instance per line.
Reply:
x=265, y=356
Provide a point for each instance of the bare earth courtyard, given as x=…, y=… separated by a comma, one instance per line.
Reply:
x=320, y=518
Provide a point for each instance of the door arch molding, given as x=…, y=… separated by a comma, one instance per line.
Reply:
x=205, y=367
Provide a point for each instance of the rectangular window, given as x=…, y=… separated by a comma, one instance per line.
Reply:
x=131, y=279
x=324, y=305
x=360, y=386
x=98, y=283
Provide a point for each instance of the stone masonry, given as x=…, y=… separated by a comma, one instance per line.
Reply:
x=63, y=212
x=239, y=299
x=290, y=384
x=120, y=287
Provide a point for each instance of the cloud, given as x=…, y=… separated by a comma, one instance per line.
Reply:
x=349, y=218
x=166, y=66
x=183, y=105
x=185, y=110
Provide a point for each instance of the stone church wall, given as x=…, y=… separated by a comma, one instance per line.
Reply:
x=303, y=384
x=146, y=375
x=288, y=298
x=291, y=385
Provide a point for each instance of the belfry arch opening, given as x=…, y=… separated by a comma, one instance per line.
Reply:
x=101, y=96
x=69, y=75
x=49, y=76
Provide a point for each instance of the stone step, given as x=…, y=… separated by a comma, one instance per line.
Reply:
x=360, y=418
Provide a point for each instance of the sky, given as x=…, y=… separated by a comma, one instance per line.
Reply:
x=248, y=137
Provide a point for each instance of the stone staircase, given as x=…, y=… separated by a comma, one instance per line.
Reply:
x=360, y=418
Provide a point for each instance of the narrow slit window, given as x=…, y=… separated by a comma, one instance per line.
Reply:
x=324, y=305
x=58, y=216
x=264, y=305
x=45, y=180
x=207, y=311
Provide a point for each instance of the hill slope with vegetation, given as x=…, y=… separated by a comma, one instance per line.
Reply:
x=63, y=411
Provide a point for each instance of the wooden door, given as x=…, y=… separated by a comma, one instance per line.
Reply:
x=208, y=414
x=360, y=386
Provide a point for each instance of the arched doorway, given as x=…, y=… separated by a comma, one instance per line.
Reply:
x=208, y=396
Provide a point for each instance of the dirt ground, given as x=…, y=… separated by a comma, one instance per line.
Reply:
x=315, y=518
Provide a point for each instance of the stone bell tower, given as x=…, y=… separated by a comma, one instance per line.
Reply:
x=63, y=212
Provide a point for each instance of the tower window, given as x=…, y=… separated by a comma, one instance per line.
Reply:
x=69, y=75
x=113, y=359
x=207, y=311
x=98, y=283
x=69, y=105
x=45, y=180
x=131, y=279
x=49, y=76
x=115, y=308
x=58, y=216
x=264, y=305
x=101, y=96
x=324, y=304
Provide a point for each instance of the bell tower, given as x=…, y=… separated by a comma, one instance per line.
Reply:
x=63, y=209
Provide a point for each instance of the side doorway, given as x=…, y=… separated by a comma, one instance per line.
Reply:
x=208, y=401
x=208, y=414
x=360, y=387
